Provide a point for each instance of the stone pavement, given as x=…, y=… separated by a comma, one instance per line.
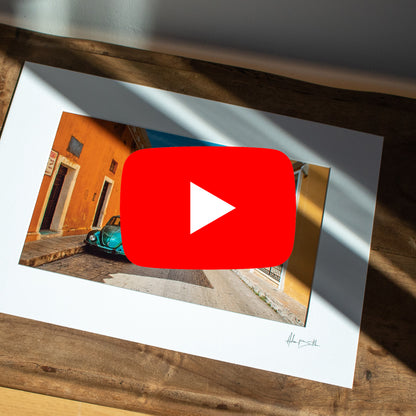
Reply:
x=49, y=249
x=46, y=250
x=286, y=306
x=227, y=292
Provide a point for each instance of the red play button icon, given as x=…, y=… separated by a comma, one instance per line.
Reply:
x=205, y=208
x=208, y=207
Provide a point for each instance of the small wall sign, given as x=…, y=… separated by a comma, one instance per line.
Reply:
x=51, y=162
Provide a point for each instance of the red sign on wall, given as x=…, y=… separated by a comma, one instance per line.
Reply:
x=51, y=162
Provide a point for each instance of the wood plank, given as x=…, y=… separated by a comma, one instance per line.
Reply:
x=22, y=403
x=75, y=365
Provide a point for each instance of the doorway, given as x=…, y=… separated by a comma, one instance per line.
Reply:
x=102, y=203
x=59, y=197
x=53, y=198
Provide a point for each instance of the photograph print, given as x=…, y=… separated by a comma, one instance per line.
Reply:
x=75, y=227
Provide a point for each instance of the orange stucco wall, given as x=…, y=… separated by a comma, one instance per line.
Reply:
x=301, y=264
x=102, y=141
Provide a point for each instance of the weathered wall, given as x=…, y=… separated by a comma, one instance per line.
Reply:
x=103, y=141
x=301, y=265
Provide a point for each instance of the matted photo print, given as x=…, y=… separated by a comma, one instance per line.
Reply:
x=63, y=146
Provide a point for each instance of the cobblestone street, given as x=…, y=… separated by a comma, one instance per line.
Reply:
x=98, y=267
x=221, y=289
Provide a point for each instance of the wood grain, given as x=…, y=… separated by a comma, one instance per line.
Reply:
x=21, y=403
x=90, y=368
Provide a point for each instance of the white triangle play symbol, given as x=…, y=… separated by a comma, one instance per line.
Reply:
x=206, y=207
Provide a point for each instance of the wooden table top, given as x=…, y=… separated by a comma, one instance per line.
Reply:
x=85, y=367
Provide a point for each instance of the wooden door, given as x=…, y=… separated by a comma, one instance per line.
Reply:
x=100, y=204
x=53, y=198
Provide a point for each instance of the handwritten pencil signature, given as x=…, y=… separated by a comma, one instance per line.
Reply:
x=300, y=342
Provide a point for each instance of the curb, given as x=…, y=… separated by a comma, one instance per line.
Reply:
x=275, y=305
x=49, y=257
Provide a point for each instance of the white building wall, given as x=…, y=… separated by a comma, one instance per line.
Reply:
x=352, y=44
